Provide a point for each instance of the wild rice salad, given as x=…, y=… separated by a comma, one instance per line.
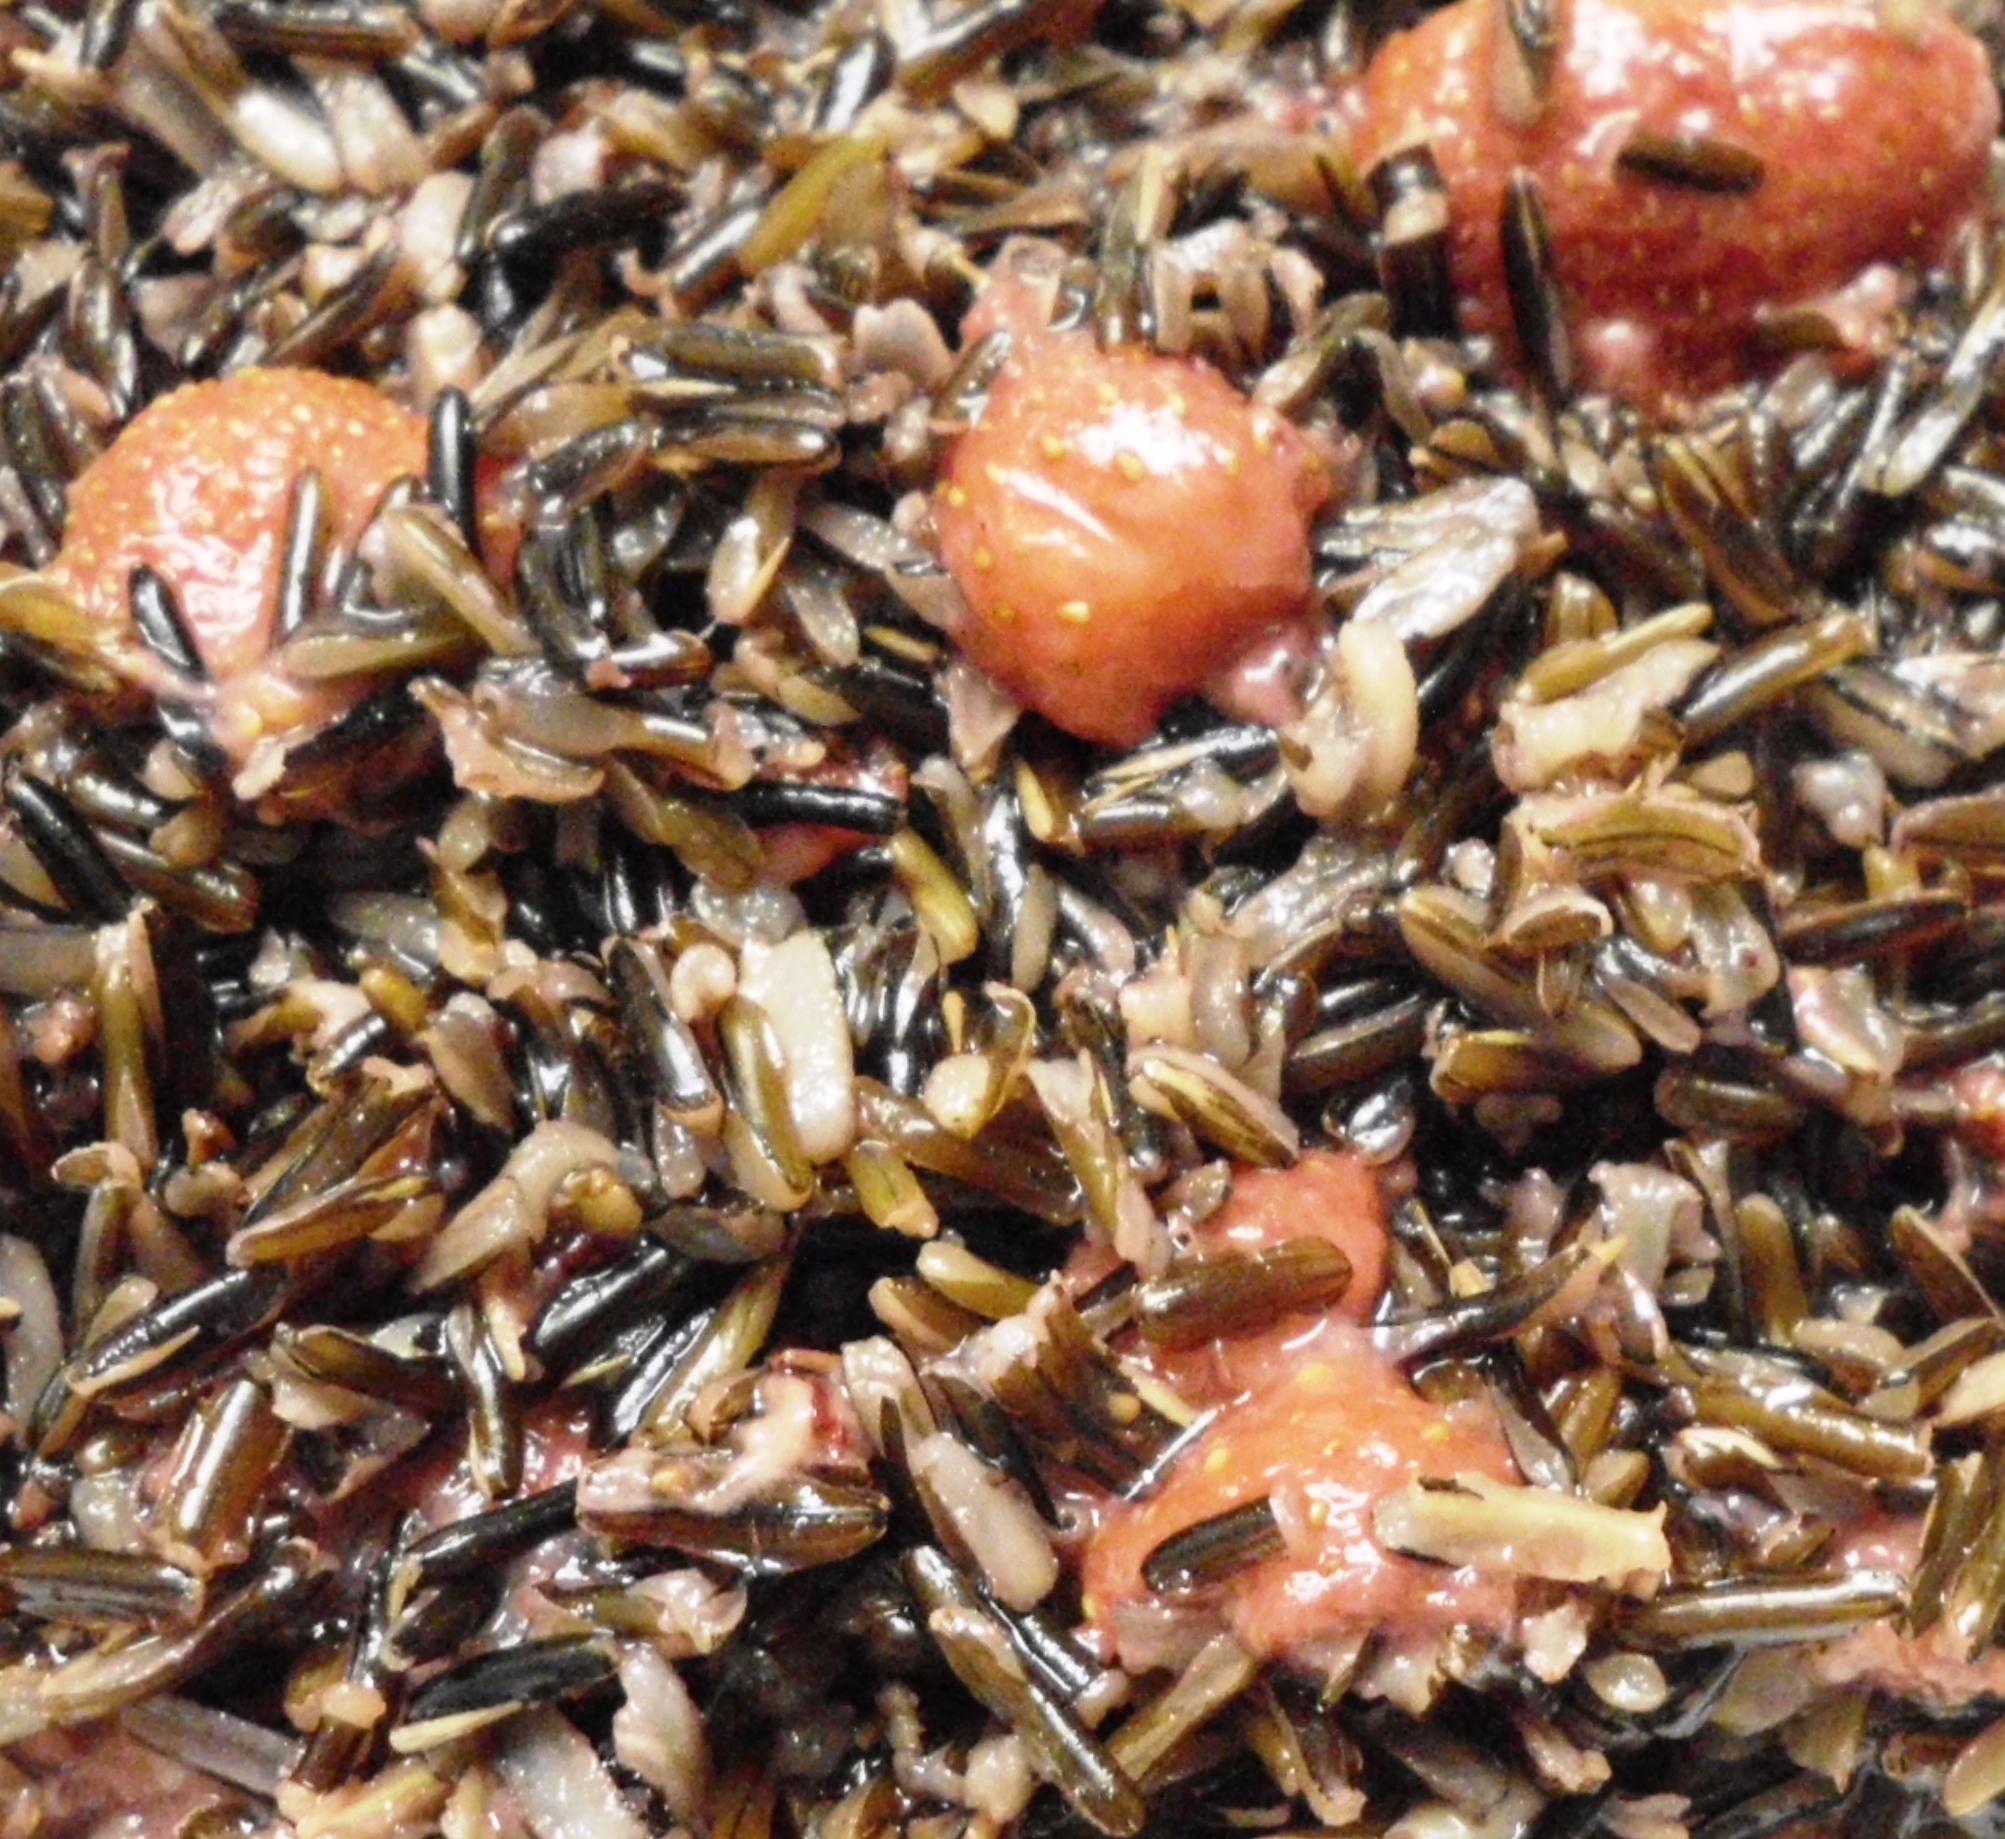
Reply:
x=1004, y=918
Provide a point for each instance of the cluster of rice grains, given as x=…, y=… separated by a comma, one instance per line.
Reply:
x=517, y=1320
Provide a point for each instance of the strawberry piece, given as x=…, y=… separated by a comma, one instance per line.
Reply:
x=1317, y=1418
x=196, y=487
x=1334, y=1428
x=1328, y=1194
x=1124, y=528
x=1872, y=145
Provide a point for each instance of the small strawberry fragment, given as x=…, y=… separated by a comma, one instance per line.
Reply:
x=196, y=488
x=1124, y=529
x=1698, y=164
x=795, y=851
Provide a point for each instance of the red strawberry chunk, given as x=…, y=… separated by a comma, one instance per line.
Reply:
x=196, y=488
x=1124, y=528
x=1316, y=1419
x=1872, y=145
